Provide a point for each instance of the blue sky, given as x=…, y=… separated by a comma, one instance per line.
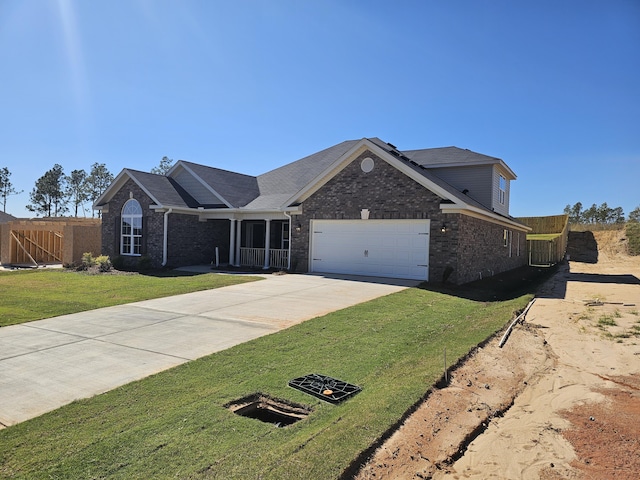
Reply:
x=551, y=87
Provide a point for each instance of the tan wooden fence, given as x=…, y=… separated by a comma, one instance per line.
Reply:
x=547, y=241
x=48, y=241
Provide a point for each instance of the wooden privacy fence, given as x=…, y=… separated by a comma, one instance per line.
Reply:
x=35, y=247
x=544, y=253
x=42, y=242
x=547, y=241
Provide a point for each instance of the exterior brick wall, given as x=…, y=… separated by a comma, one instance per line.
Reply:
x=481, y=250
x=467, y=247
x=189, y=241
x=192, y=242
x=388, y=194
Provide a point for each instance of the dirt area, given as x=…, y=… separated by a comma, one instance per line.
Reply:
x=560, y=399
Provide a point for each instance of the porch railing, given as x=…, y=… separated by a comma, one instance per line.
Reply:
x=254, y=257
x=278, y=258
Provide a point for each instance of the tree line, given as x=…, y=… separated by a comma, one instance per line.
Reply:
x=56, y=194
x=602, y=214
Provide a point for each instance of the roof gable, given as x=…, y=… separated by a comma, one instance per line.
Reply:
x=389, y=154
x=276, y=186
x=162, y=190
x=234, y=189
x=453, y=199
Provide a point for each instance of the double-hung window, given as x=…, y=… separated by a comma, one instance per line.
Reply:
x=502, y=190
x=131, y=228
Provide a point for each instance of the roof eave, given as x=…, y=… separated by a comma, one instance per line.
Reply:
x=116, y=185
x=205, y=184
x=476, y=212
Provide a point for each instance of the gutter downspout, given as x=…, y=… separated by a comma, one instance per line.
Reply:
x=165, y=236
x=290, y=239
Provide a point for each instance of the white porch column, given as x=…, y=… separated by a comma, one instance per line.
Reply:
x=232, y=241
x=267, y=244
x=238, y=241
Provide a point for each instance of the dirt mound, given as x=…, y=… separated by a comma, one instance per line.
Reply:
x=559, y=400
x=590, y=247
x=612, y=244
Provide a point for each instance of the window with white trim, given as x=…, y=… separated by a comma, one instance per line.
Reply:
x=502, y=190
x=131, y=228
x=285, y=236
x=508, y=238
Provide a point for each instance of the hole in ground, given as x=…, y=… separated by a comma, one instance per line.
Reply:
x=269, y=410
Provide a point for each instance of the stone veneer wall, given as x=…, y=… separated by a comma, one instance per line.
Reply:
x=189, y=241
x=388, y=194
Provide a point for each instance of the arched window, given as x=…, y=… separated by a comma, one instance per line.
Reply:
x=131, y=228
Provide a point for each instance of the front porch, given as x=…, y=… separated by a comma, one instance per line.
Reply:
x=259, y=243
x=255, y=257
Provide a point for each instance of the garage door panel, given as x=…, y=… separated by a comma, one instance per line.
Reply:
x=390, y=248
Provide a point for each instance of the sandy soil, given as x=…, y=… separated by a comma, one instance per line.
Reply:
x=560, y=399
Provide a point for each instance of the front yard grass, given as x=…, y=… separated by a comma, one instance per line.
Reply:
x=35, y=294
x=175, y=424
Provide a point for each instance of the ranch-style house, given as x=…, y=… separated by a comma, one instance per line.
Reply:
x=360, y=207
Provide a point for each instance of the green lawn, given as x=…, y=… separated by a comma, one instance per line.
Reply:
x=175, y=424
x=34, y=294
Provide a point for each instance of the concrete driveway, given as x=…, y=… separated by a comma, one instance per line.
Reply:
x=48, y=363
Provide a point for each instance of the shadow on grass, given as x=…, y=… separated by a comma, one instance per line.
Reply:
x=170, y=273
x=500, y=287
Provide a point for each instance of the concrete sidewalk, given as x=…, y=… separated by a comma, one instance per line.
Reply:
x=48, y=363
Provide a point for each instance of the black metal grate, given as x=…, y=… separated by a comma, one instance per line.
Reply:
x=325, y=388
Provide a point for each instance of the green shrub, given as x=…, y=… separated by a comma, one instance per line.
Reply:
x=87, y=261
x=633, y=236
x=118, y=263
x=104, y=263
x=144, y=263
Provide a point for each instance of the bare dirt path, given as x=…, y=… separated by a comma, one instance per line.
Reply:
x=561, y=399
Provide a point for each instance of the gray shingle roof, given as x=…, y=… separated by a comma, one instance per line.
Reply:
x=236, y=188
x=272, y=189
x=163, y=190
x=448, y=156
x=280, y=184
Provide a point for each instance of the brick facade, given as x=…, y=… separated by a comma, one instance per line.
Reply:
x=388, y=194
x=482, y=252
x=467, y=247
x=189, y=241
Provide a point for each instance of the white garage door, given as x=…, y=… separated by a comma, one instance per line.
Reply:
x=385, y=248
